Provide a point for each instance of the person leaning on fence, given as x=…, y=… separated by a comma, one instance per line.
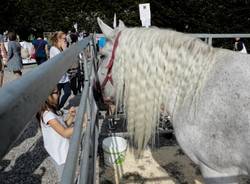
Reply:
x=56, y=132
x=239, y=46
x=14, y=61
x=58, y=45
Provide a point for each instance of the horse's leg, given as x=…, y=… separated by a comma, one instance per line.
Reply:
x=213, y=177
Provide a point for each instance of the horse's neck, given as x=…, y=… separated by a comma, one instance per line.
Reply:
x=176, y=65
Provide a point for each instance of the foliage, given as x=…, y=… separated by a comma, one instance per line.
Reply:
x=204, y=16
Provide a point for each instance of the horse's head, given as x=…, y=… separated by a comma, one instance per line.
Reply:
x=132, y=85
x=105, y=76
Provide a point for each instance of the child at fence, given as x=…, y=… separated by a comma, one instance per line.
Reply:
x=55, y=130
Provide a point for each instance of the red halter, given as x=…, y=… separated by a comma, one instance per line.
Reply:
x=111, y=62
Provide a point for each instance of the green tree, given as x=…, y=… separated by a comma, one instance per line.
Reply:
x=205, y=16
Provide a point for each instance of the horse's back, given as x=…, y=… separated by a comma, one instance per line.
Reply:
x=220, y=117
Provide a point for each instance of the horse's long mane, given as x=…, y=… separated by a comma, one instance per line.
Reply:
x=157, y=67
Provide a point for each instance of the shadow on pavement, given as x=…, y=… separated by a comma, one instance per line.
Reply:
x=22, y=171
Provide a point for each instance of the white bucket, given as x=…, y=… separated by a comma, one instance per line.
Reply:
x=114, y=150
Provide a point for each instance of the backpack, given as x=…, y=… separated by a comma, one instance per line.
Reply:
x=38, y=52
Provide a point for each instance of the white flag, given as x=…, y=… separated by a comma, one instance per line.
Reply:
x=114, y=23
x=75, y=26
x=145, y=14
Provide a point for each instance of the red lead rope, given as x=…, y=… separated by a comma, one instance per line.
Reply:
x=111, y=62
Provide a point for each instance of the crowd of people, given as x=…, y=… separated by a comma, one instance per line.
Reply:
x=56, y=122
x=14, y=53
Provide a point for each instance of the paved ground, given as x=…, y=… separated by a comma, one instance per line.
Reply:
x=27, y=162
x=8, y=76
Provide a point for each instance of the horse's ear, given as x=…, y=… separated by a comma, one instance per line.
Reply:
x=114, y=22
x=106, y=30
x=121, y=24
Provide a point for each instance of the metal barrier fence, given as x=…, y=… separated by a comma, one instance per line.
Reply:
x=209, y=37
x=86, y=138
x=22, y=98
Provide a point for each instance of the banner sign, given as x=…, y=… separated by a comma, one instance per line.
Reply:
x=145, y=14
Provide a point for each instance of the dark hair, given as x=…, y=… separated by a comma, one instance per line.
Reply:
x=47, y=106
x=12, y=36
x=39, y=34
x=73, y=30
x=74, y=37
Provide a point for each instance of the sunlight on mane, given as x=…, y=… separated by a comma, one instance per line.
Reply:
x=157, y=67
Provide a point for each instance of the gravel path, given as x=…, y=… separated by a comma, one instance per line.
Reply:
x=27, y=162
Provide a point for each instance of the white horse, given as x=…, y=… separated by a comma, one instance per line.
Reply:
x=206, y=90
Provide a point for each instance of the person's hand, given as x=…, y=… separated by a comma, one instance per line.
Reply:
x=69, y=120
x=72, y=112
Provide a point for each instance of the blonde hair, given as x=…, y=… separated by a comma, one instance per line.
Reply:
x=157, y=67
x=55, y=38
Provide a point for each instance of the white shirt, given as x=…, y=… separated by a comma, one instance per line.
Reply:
x=244, y=50
x=56, y=145
x=53, y=52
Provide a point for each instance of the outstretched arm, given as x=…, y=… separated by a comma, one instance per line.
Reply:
x=65, y=132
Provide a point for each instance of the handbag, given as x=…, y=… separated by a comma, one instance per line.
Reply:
x=33, y=53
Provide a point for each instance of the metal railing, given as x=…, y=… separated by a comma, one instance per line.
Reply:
x=86, y=138
x=209, y=37
x=21, y=99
